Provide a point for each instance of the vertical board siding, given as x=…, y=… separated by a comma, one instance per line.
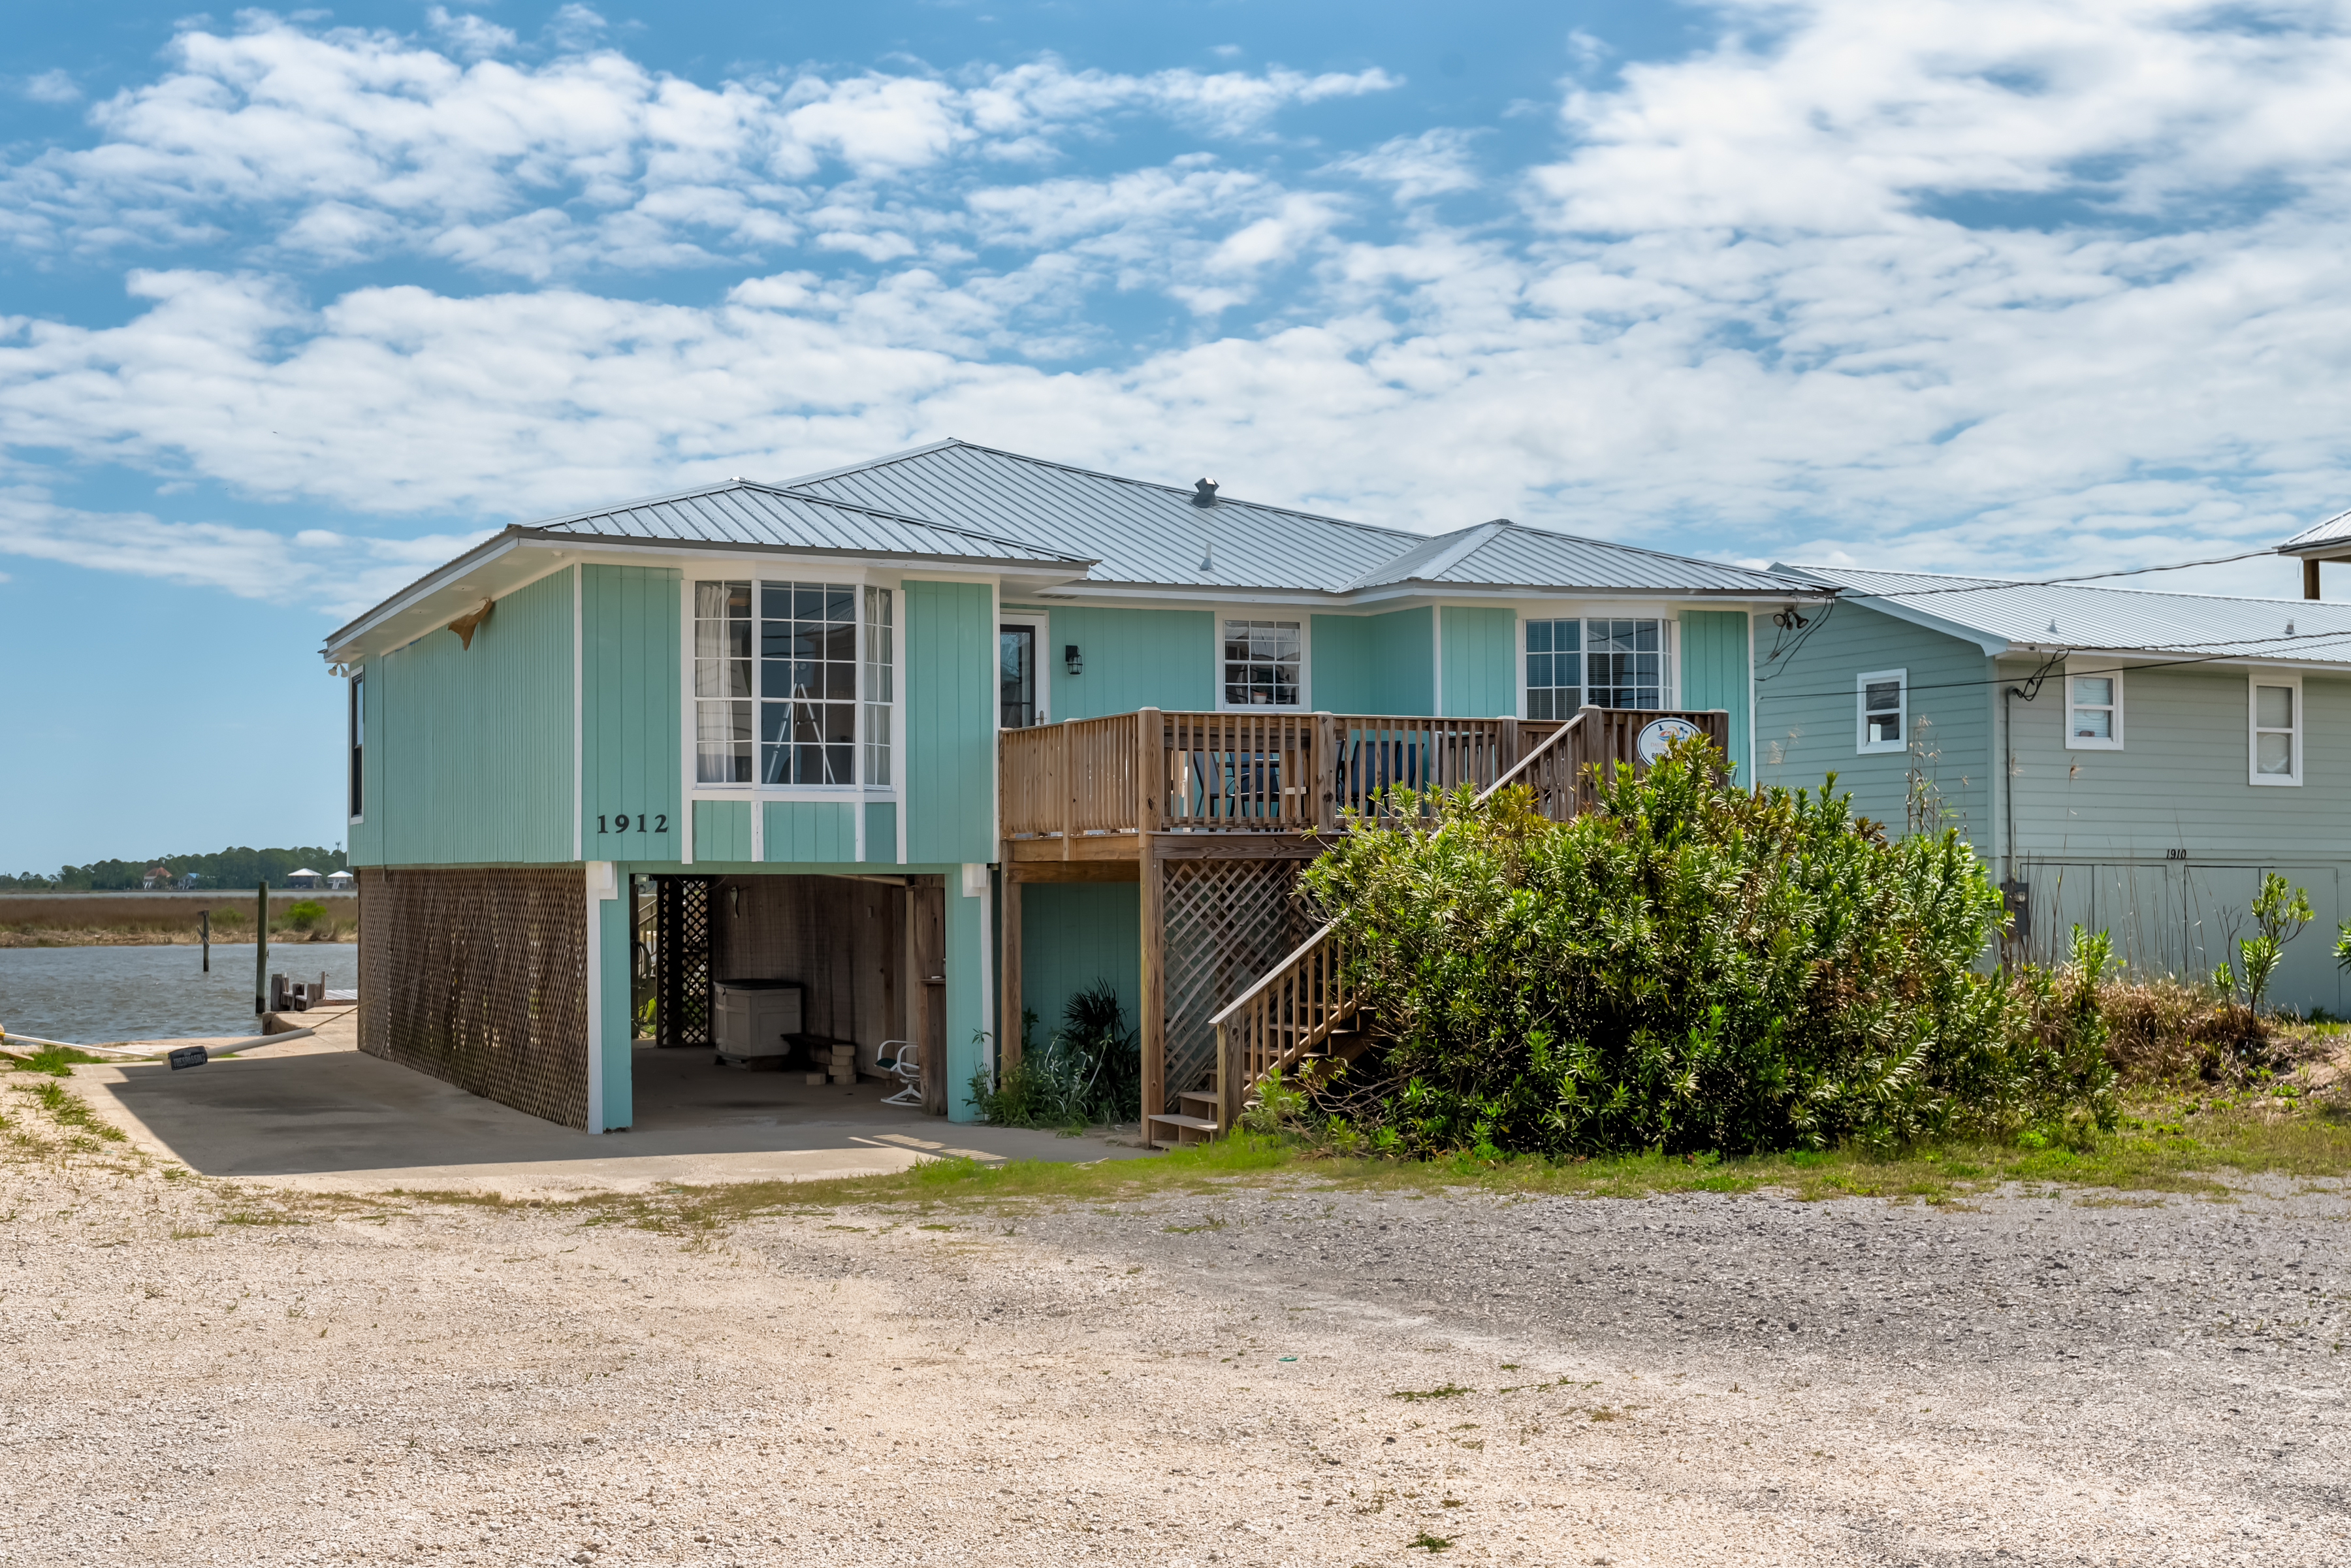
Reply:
x=1339, y=668
x=950, y=696
x=1480, y=664
x=1714, y=673
x=722, y=831
x=1805, y=712
x=809, y=830
x=1131, y=659
x=882, y=831
x=469, y=749
x=1072, y=935
x=630, y=721
x=1403, y=661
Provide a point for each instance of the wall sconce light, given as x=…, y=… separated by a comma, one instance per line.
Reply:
x=1076, y=665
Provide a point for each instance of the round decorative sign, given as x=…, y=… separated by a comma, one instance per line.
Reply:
x=1658, y=734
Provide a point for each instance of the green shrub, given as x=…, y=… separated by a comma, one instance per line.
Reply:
x=1088, y=1071
x=1690, y=966
x=301, y=916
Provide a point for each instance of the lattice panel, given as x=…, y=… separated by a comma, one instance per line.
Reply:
x=683, y=920
x=480, y=978
x=1228, y=922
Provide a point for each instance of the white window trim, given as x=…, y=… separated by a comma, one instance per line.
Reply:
x=1670, y=636
x=1862, y=745
x=696, y=788
x=2065, y=708
x=1305, y=703
x=1043, y=626
x=2254, y=775
x=355, y=742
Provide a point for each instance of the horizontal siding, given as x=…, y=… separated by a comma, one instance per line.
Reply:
x=1130, y=659
x=809, y=830
x=1480, y=664
x=722, y=830
x=630, y=713
x=882, y=831
x=1805, y=712
x=2179, y=781
x=470, y=748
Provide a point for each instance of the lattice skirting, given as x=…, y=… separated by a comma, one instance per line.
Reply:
x=1228, y=922
x=480, y=978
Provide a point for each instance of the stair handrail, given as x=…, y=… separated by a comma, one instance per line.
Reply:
x=1341, y=1003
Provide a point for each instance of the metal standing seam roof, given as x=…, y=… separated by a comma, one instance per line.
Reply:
x=2083, y=615
x=741, y=512
x=1138, y=532
x=2334, y=530
x=1507, y=554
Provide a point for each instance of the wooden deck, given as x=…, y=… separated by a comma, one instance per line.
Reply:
x=1134, y=797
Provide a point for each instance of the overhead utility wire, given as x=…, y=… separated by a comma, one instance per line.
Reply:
x=1988, y=585
x=2103, y=669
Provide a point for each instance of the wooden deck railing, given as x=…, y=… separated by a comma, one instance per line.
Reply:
x=1308, y=997
x=1260, y=772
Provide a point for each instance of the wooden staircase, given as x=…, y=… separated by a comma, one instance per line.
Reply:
x=1303, y=1012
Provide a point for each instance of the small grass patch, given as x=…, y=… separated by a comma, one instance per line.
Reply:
x=1449, y=1391
x=1429, y=1543
x=67, y=1108
x=56, y=1061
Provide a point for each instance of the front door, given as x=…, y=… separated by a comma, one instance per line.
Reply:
x=1021, y=699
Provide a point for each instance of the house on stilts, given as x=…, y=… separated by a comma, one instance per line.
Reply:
x=927, y=742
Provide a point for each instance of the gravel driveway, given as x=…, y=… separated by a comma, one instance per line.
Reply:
x=1283, y=1375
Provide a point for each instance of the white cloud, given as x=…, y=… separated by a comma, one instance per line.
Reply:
x=470, y=37
x=1756, y=303
x=336, y=573
x=51, y=87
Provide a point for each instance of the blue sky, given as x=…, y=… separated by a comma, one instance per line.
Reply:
x=293, y=305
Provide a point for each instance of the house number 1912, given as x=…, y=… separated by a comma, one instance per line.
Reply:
x=624, y=823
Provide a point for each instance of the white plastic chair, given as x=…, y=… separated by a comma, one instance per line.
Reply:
x=899, y=1056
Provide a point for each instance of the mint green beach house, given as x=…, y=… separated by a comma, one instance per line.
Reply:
x=887, y=757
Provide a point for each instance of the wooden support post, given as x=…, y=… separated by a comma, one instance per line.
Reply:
x=1592, y=751
x=261, y=951
x=1007, y=1034
x=1507, y=751
x=1152, y=1004
x=1150, y=772
x=2310, y=580
x=1718, y=730
x=1068, y=792
x=1326, y=772
x=205, y=934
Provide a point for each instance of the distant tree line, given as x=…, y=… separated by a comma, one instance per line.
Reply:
x=225, y=868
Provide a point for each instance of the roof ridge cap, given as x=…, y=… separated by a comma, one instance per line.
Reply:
x=1466, y=542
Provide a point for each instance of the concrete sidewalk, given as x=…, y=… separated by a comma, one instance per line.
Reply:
x=318, y=1114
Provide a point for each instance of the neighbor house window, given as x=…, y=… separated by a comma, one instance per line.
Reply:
x=1881, y=709
x=359, y=736
x=1624, y=663
x=2277, y=729
x=2093, y=710
x=1262, y=663
x=778, y=673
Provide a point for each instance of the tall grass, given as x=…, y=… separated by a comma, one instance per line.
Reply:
x=66, y=919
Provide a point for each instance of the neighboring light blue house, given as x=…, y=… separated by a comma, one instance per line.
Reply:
x=2126, y=759
x=930, y=739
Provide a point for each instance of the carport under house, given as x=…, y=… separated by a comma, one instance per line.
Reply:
x=928, y=742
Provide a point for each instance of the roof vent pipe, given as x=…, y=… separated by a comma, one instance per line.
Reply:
x=1204, y=493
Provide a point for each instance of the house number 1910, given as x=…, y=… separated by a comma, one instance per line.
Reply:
x=2175, y=854
x=626, y=824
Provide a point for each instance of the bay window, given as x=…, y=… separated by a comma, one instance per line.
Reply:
x=785, y=675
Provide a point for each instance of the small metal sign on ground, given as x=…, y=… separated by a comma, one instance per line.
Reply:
x=1660, y=733
x=188, y=1056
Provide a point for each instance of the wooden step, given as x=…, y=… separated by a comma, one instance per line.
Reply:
x=1192, y=1098
x=1188, y=1129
